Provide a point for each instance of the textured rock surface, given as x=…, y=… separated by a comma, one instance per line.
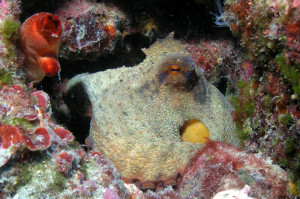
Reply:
x=138, y=112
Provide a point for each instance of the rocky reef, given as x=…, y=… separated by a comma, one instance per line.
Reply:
x=267, y=107
x=90, y=29
x=210, y=113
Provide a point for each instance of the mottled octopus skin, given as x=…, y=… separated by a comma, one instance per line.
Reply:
x=40, y=37
x=138, y=113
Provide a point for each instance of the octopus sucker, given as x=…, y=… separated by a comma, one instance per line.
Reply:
x=138, y=113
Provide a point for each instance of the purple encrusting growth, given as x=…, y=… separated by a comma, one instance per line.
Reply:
x=90, y=28
x=220, y=167
x=221, y=60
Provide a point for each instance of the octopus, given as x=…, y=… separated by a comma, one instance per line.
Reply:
x=138, y=114
x=40, y=38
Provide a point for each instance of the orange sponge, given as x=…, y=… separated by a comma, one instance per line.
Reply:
x=40, y=37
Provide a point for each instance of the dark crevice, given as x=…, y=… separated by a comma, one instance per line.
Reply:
x=80, y=112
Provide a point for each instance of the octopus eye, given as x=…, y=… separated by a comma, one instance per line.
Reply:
x=174, y=69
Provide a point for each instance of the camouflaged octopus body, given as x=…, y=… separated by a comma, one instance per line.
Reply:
x=138, y=112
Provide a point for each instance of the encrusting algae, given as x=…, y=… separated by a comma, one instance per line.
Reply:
x=138, y=114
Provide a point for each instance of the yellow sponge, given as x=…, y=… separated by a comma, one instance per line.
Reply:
x=194, y=131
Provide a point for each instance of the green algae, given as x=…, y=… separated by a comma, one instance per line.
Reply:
x=43, y=169
x=293, y=161
x=28, y=170
x=295, y=174
x=9, y=29
x=244, y=105
x=5, y=77
x=25, y=124
x=290, y=145
x=58, y=182
x=9, y=33
x=75, y=145
x=283, y=163
x=248, y=105
x=268, y=101
x=25, y=176
x=287, y=120
x=45, y=165
x=289, y=71
x=245, y=177
x=84, y=169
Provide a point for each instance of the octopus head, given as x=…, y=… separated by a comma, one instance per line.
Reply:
x=179, y=71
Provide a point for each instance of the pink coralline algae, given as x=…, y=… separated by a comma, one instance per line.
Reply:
x=43, y=100
x=26, y=104
x=42, y=137
x=8, y=8
x=221, y=167
x=292, y=34
x=248, y=67
x=10, y=142
x=11, y=139
x=27, y=112
x=110, y=194
x=221, y=58
x=16, y=103
x=296, y=3
x=64, y=161
x=90, y=29
x=209, y=54
x=4, y=8
x=102, y=181
x=39, y=140
x=64, y=134
x=293, y=41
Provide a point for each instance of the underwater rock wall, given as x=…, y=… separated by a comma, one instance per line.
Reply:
x=267, y=107
x=258, y=71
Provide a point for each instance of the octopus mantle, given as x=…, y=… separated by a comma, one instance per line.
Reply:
x=138, y=113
